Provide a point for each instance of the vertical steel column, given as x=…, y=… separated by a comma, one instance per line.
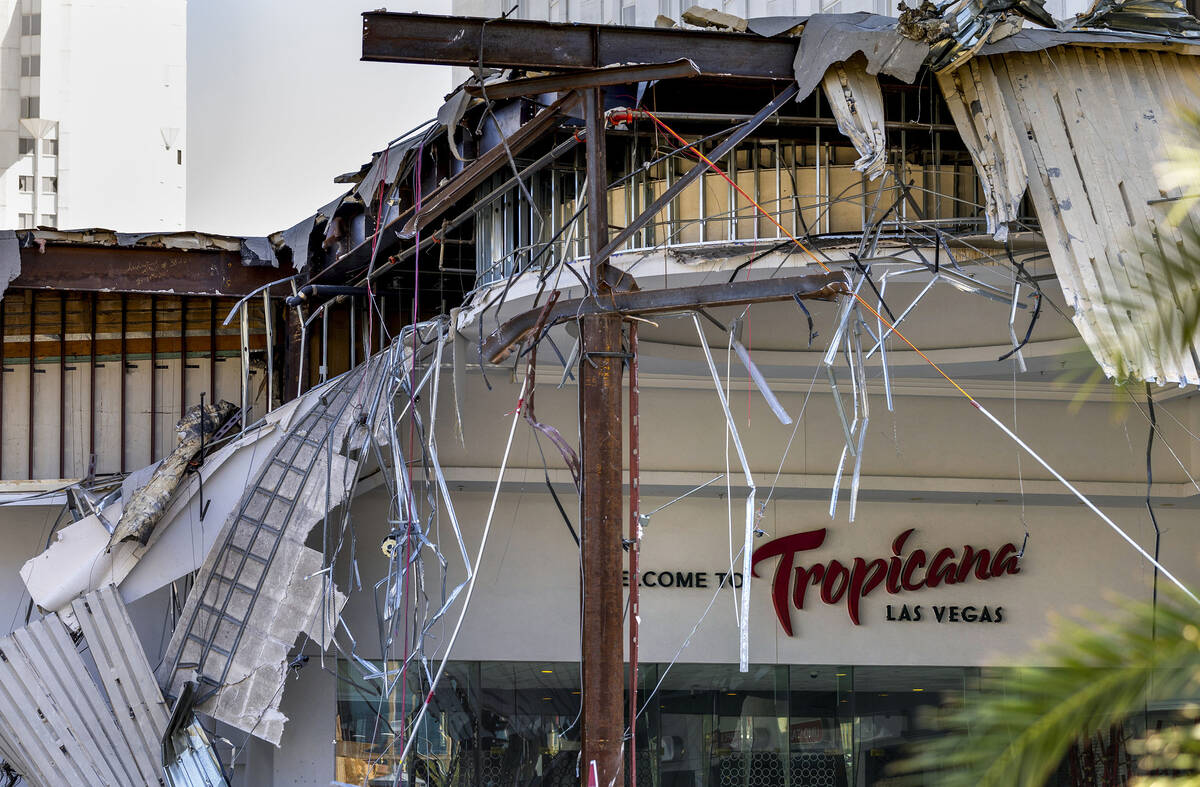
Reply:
x=153, y=377
x=268, y=320
x=62, y=384
x=32, y=354
x=183, y=304
x=124, y=371
x=212, y=350
x=92, y=387
x=244, y=322
x=635, y=538
x=600, y=405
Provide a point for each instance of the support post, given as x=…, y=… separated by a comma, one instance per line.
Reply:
x=601, y=515
x=635, y=544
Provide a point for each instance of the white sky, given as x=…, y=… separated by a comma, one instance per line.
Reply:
x=279, y=104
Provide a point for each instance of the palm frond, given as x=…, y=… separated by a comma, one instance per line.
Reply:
x=1024, y=722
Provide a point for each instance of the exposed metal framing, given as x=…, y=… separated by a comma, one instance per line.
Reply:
x=153, y=376
x=124, y=372
x=212, y=350
x=93, y=301
x=62, y=384
x=32, y=300
x=183, y=304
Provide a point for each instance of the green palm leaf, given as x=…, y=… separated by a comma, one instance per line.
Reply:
x=1025, y=721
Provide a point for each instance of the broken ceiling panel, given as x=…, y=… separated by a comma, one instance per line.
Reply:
x=260, y=587
x=973, y=96
x=81, y=559
x=1093, y=128
x=57, y=726
x=857, y=103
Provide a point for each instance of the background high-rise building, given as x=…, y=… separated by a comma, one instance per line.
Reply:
x=93, y=114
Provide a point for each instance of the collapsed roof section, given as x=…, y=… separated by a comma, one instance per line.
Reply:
x=1022, y=131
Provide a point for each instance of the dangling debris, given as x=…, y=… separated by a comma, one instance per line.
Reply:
x=58, y=724
x=142, y=513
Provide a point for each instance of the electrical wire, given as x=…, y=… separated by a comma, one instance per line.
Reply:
x=974, y=403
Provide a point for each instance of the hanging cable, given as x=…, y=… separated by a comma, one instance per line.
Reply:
x=974, y=403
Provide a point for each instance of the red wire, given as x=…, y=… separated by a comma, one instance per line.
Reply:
x=691, y=148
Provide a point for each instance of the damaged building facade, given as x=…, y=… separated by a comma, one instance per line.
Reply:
x=306, y=509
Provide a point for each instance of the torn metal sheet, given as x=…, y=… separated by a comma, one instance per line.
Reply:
x=975, y=103
x=1092, y=122
x=10, y=259
x=857, y=103
x=771, y=26
x=974, y=23
x=835, y=38
x=1033, y=39
x=58, y=725
x=385, y=166
x=296, y=238
x=258, y=251
x=142, y=512
x=1162, y=17
x=449, y=115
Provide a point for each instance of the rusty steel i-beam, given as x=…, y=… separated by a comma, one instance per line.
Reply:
x=601, y=506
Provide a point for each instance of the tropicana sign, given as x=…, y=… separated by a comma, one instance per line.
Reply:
x=854, y=582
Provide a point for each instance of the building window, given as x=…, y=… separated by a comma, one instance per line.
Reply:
x=25, y=221
x=49, y=147
x=31, y=65
x=31, y=25
x=31, y=107
x=49, y=185
x=26, y=146
x=25, y=183
x=50, y=220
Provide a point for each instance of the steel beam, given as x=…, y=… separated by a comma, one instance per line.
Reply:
x=601, y=499
x=600, y=77
x=822, y=286
x=523, y=43
x=120, y=269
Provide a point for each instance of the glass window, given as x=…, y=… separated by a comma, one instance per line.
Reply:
x=31, y=25
x=25, y=183
x=369, y=726
x=49, y=185
x=528, y=730
x=49, y=147
x=25, y=221
x=26, y=146
x=50, y=220
x=516, y=723
x=31, y=107
x=31, y=65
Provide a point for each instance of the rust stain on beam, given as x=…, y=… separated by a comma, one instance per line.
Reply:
x=101, y=269
x=522, y=43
